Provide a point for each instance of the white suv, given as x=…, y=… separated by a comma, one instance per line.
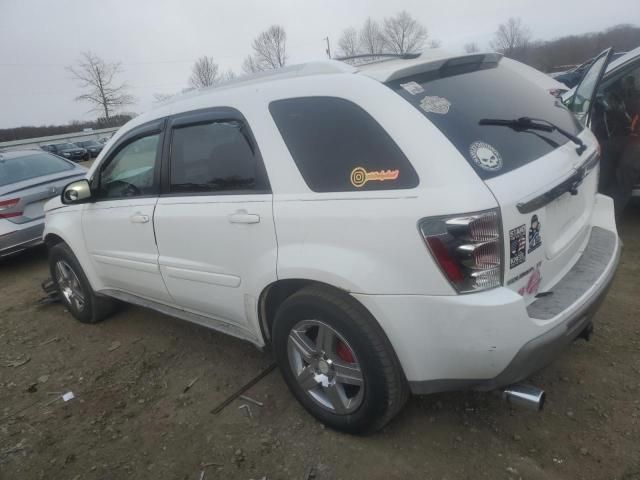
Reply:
x=397, y=227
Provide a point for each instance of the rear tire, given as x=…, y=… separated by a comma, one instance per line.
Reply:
x=75, y=291
x=337, y=361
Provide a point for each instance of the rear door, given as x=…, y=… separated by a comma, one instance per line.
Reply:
x=544, y=186
x=214, y=220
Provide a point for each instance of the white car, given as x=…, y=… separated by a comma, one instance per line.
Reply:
x=419, y=225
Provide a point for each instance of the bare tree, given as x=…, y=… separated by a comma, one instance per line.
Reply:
x=471, y=47
x=204, y=73
x=403, y=34
x=98, y=77
x=269, y=50
x=511, y=38
x=348, y=44
x=228, y=76
x=434, y=43
x=249, y=65
x=371, y=38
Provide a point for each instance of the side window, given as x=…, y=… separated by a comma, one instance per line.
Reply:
x=131, y=171
x=338, y=147
x=214, y=157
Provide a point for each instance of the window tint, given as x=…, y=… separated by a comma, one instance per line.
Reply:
x=214, y=157
x=13, y=170
x=131, y=172
x=462, y=92
x=339, y=147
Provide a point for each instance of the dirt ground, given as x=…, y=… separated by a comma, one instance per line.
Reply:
x=130, y=417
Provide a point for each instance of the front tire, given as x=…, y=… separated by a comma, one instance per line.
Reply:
x=337, y=361
x=75, y=291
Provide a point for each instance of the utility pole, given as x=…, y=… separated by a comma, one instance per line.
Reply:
x=328, y=50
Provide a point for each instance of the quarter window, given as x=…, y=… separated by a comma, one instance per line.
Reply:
x=130, y=172
x=338, y=147
x=214, y=157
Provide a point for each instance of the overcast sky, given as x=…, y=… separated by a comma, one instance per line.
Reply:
x=158, y=40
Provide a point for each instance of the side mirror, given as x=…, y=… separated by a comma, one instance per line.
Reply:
x=76, y=192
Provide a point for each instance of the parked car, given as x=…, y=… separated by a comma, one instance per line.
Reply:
x=28, y=178
x=575, y=75
x=93, y=147
x=67, y=150
x=395, y=228
x=615, y=120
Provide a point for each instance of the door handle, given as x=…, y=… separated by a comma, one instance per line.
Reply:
x=241, y=216
x=139, y=218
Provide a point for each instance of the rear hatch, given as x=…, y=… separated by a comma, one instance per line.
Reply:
x=27, y=181
x=544, y=183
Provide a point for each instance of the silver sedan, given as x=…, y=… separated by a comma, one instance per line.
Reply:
x=28, y=178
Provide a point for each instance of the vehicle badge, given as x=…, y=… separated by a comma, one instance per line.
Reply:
x=485, y=156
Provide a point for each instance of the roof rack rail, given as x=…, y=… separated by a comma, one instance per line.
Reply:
x=403, y=56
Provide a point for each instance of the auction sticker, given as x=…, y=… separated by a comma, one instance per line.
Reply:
x=412, y=87
x=518, y=245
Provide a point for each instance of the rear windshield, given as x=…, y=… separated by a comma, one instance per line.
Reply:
x=457, y=96
x=13, y=170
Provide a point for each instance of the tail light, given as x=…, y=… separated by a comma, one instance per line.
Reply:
x=467, y=248
x=6, y=207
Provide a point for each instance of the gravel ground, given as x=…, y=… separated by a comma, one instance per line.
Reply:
x=131, y=417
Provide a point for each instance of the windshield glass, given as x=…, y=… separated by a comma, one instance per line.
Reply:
x=457, y=96
x=15, y=170
x=66, y=146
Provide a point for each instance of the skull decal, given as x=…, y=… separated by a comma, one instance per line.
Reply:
x=485, y=156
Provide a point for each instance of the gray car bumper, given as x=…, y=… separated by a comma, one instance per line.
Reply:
x=22, y=238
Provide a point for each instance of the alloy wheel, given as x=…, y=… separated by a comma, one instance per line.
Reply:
x=69, y=285
x=325, y=366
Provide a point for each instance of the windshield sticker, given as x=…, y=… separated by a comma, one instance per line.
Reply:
x=535, y=240
x=437, y=105
x=412, y=87
x=533, y=284
x=485, y=156
x=359, y=176
x=518, y=245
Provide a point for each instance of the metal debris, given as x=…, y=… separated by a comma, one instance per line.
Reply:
x=16, y=363
x=190, y=384
x=244, y=388
x=247, y=408
x=251, y=400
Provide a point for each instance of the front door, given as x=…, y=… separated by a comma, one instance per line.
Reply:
x=118, y=226
x=214, y=221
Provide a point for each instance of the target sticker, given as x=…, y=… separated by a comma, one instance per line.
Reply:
x=359, y=176
x=485, y=156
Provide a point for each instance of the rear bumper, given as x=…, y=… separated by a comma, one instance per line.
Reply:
x=491, y=339
x=17, y=237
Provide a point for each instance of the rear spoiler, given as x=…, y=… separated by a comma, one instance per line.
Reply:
x=444, y=64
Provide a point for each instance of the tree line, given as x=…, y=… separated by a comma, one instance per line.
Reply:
x=20, y=133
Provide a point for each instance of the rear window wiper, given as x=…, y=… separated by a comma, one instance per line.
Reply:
x=527, y=123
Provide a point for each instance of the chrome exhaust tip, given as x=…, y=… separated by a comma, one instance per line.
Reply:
x=525, y=396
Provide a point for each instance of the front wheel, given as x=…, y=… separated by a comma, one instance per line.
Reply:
x=337, y=361
x=75, y=291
